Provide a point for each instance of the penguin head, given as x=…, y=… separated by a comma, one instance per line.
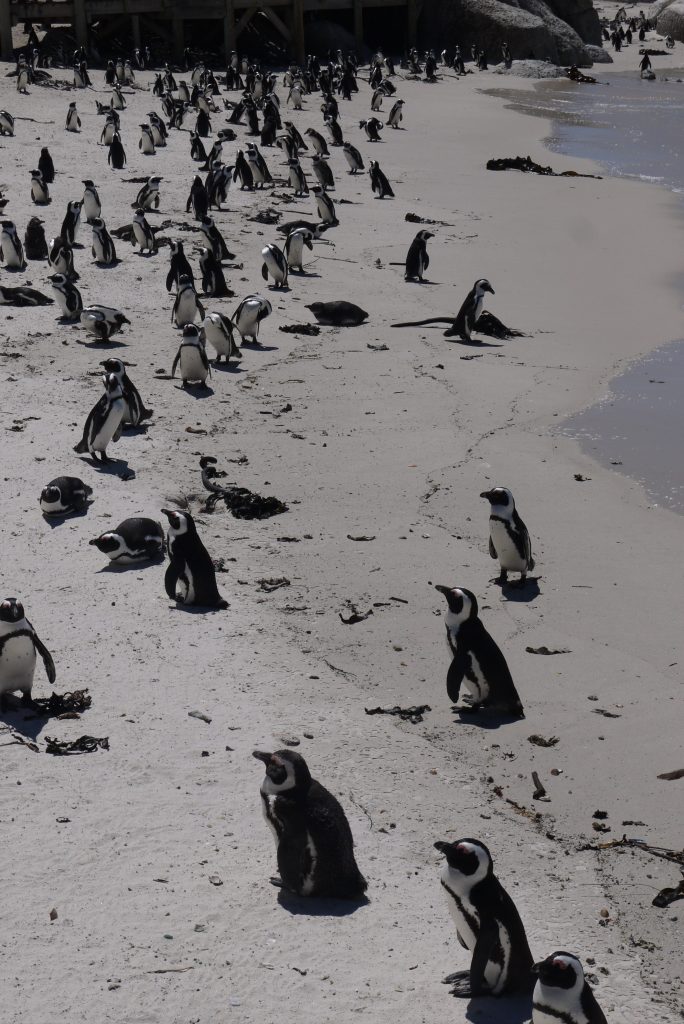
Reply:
x=500, y=498
x=97, y=223
x=114, y=366
x=561, y=970
x=469, y=858
x=285, y=772
x=11, y=610
x=88, y=183
x=59, y=281
x=462, y=603
x=50, y=495
x=191, y=335
x=483, y=285
x=109, y=544
x=423, y=236
x=180, y=523
x=113, y=386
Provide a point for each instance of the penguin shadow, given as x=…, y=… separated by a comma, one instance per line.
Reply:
x=311, y=906
x=520, y=594
x=107, y=344
x=304, y=273
x=255, y=347
x=228, y=367
x=25, y=719
x=54, y=521
x=147, y=563
x=131, y=431
x=107, y=266
x=473, y=343
x=198, y=391
x=488, y=719
x=115, y=467
x=195, y=609
x=515, y=1009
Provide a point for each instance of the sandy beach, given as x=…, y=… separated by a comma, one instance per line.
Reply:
x=154, y=854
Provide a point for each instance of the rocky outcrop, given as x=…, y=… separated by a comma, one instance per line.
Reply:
x=554, y=30
x=670, y=17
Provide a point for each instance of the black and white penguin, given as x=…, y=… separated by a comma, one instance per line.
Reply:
x=396, y=114
x=379, y=183
x=314, y=843
x=104, y=422
x=476, y=659
x=135, y=411
x=68, y=296
x=111, y=128
x=143, y=234
x=191, y=358
x=158, y=129
x=242, y=172
x=325, y=206
x=463, y=324
x=6, y=123
x=333, y=126
x=318, y=142
x=64, y=495
x=19, y=645
x=275, y=265
x=190, y=577
x=295, y=136
x=297, y=178
x=103, y=249
x=197, y=151
x=73, y=121
x=46, y=166
x=323, y=172
x=353, y=158
x=338, y=313
x=248, y=316
x=372, y=128
x=219, y=331
x=146, y=141
x=11, y=249
x=417, y=259
x=257, y=164
x=116, y=157
x=487, y=923
x=61, y=258
x=509, y=540
x=23, y=296
x=70, y=224
x=198, y=199
x=35, y=243
x=90, y=204
x=186, y=306
x=117, y=99
x=40, y=193
x=179, y=266
x=103, y=322
x=294, y=248
x=215, y=239
x=563, y=994
x=134, y=540
x=213, y=279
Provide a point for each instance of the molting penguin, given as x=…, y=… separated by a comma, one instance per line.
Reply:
x=248, y=316
x=134, y=540
x=319, y=144
x=477, y=661
x=417, y=259
x=190, y=577
x=11, y=249
x=487, y=923
x=191, y=358
x=19, y=644
x=135, y=411
x=274, y=264
x=104, y=422
x=219, y=331
x=116, y=156
x=314, y=843
x=509, y=540
x=353, y=158
x=46, y=166
x=35, y=243
x=64, y=495
x=562, y=993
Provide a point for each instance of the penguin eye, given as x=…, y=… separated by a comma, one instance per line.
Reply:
x=561, y=963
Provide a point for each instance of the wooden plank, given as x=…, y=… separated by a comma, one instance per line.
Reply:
x=278, y=22
x=298, y=30
x=6, y=50
x=229, y=34
x=358, y=25
x=245, y=20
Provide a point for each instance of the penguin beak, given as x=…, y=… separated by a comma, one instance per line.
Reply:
x=487, y=495
x=442, y=590
x=488, y=288
x=535, y=968
x=262, y=756
x=92, y=542
x=441, y=846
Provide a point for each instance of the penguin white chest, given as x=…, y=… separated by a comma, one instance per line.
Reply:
x=506, y=551
x=274, y=268
x=217, y=339
x=548, y=1008
x=17, y=663
x=463, y=913
x=10, y=254
x=91, y=207
x=140, y=235
x=191, y=365
x=187, y=308
x=110, y=425
x=474, y=679
x=248, y=325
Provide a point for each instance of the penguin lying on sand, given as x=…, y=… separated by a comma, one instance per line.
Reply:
x=23, y=296
x=190, y=577
x=64, y=495
x=134, y=540
x=487, y=924
x=477, y=661
x=338, y=313
x=314, y=843
x=562, y=994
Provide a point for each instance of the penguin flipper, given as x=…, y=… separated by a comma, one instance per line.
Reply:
x=492, y=549
x=487, y=941
x=264, y=271
x=175, y=363
x=455, y=676
x=50, y=670
x=170, y=581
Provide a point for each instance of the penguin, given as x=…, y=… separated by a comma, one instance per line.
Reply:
x=179, y=266
x=203, y=125
x=64, y=495
x=147, y=198
x=323, y=173
x=23, y=296
x=186, y=305
x=135, y=411
x=103, y=248
x=379, y=182
x=6, y=123
x=317, y=230
x=11, y=249
x=372, y=128
x=70, y=224
x=68, y=296
x=134, y=540
x=325, y=206
x=104, y=422
x=257, y=164
x=90, y=204
x=19, y=645
x=297, y=178
x=23, y=77
x=487, y=923
x=197, y=150
x=61, y=258
x=463, y=324
x=274, y=264
x=117, y=100
x=314, y=843
x=219, y=331
x=248, y=316
x=377, y=98
x=111, y=127
x=213, y=280
x=338, y=313
x=190, y=577
x=35, y=244
x=198, y=199
x=563, y=994
x=476, y=659
x=117, y=154
x=509, y=540
x=243, y=172
x=318, y=142
x=158, y=129
x=417, y=259
x=46, y=166
x=294, y=248
x=191, y=358
x=215, y=239
x=353, y=158
x=146, y=141
x=40, y=193
x=335, y=130
x=143, y=233
x=103, y=322
x=73, y=121
x=396, y=114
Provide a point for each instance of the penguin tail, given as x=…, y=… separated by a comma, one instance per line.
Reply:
x=147, y=414
x=531, y=564
x=81, y=448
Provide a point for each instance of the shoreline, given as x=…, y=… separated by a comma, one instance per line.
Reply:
x=393, y=445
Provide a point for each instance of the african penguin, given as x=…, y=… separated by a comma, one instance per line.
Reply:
x=186, y=305
x=64, y=495
x=135, y=411
x=562, y=994
x=191, y=358
x=40, y=193
x=215, y=239
x=417, y=259
x=274, y=265
x=213, y=279
x=104, y=422
x=103, y=249
x=19, y=644
x=143, y=233
x=73, y=121
x=509, y=540
x=338, y=313
x=325, y=206
x=248, y=316
x=117, y=154
x=179, y=266
x=103, y=322
x=68, y=296
x=35, y=244
x=46, y=166
x=70, y=224
x=379, y=183
x=353, y=158
x=11, y=249
x=148, y=196
x=190, y=577
x=134, y=540
x=219, y=331
x=396, y=114
x=61, y=258
x=90, y=204
x=294, y=248
x=146, y=140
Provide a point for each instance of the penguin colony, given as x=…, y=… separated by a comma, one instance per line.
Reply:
x=314, y=843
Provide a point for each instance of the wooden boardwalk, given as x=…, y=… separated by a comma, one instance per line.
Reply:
x=167, y=17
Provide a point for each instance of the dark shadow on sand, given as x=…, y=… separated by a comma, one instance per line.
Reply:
x=309, y=906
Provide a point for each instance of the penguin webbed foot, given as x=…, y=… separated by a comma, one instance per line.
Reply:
x=502, y=577
x=468, y=709
x=462, y=988
x=276, y=881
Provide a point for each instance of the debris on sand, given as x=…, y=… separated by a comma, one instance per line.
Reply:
x=310, y=329
x=355, y=616
x=275, y=583
x=83, y=745
x=548, y=650
x=267, y=216
x=414, y=714
x=678, y=773
x=63, y=703
x=527, y=165
x=541, y=741
x=414, y=218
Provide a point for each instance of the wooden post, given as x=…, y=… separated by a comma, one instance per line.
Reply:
x=135, y=29
x=298, y=31
x=412, y=17
x=178, y=36
x=229, y=37
x=358, y=26
x=6, y=49
x=80, y=23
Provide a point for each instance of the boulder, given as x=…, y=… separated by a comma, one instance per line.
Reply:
x=530, y=69
x=671, y=20
x=599, y=55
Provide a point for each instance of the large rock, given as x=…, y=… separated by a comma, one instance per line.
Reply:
x=671, y=19
x=532, y=28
